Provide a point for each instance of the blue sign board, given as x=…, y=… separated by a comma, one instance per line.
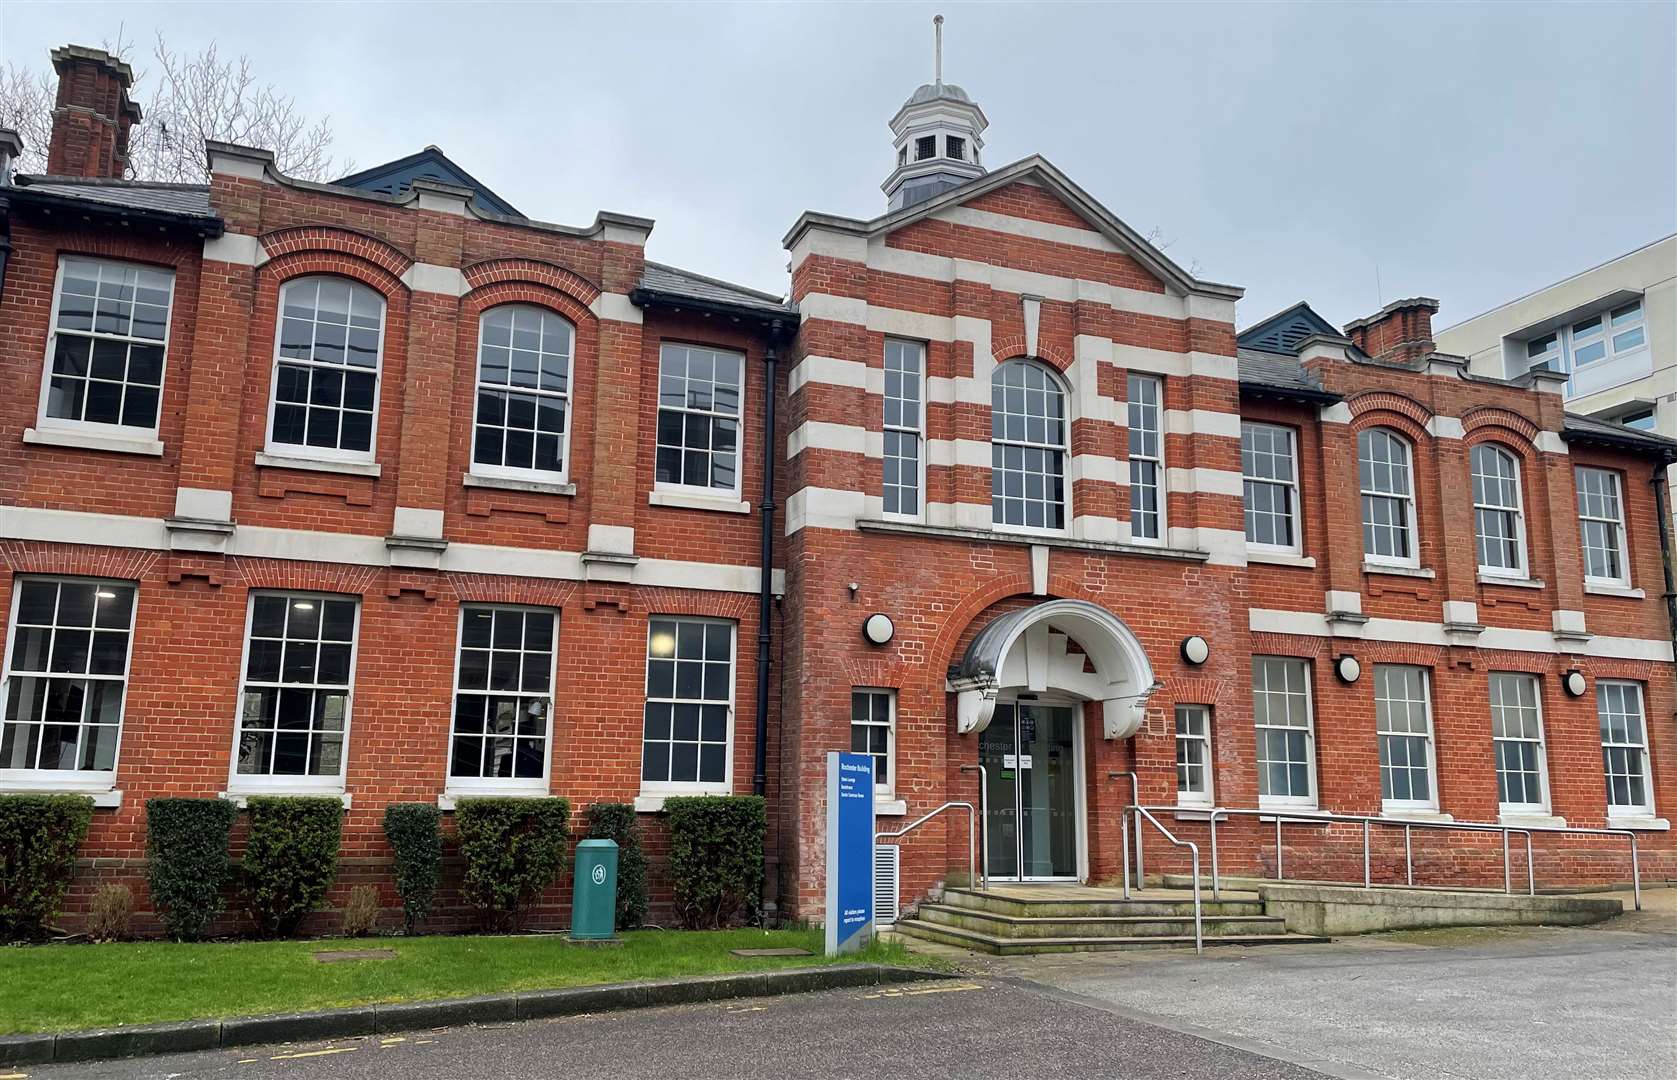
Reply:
x=849, y=852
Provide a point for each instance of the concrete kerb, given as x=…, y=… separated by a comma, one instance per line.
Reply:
x=143, y=1039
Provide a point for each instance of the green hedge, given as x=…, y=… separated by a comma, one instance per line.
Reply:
x=415, y=834
x=514, y=850
x=716, y=858
x=616, y=821
x=39, y=835
x=290, y=859
x=186, y=861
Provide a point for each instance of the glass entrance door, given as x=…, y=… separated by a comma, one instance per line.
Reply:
x=1029, y=756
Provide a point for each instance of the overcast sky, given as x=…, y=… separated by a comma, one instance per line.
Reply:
x=1470, y=152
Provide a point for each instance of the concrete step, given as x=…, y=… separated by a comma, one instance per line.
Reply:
x=1009, y=946
x=1113, y=926
x=1062, y=908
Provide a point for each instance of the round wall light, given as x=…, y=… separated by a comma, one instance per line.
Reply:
x=1573, y=681
x=879, y=629
x=1195, y=650
x=1348, y=668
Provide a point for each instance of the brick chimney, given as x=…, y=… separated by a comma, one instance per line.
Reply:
x=1399, y=333
x=92, y=116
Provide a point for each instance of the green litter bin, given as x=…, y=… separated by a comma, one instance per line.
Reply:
x=594, y=899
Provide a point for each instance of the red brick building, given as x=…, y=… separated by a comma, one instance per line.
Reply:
x=378, y=490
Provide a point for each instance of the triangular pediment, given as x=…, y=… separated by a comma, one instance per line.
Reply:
x=395, y=177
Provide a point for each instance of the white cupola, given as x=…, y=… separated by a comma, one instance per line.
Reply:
x=939, y=136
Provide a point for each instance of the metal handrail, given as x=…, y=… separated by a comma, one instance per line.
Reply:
x=1367, y=820
x=984, y=822
x=1193, y=851
x=1135, y=800
x=972, y=842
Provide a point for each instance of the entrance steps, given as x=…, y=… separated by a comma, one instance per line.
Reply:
x=1014, y=921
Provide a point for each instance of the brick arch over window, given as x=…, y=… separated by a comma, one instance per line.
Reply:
x=34, y=557
x=499, y=589
x=532, y=271
x=357, y=245
x=1391, y=405
x=1013, y=348
x=165, y=253
x=523, y=291
x=277, y=272
x=1489, y=422
x=253, y=573
x=1413, y=432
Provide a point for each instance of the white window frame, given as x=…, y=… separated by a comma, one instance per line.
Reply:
x=1504, y=678
x=267, y=783
x=703, y=491
x=1291, y=802
x=129, y=431
x=1161, y=494
x=664, y=788
x=1185, y=797
x=495, y=785
x=887, y=788
x=509, y=472
x=302, y=451
x=1406, y=500
x=1062, y=448
x=1521, y=567
x=1294, y=518
x=80, y=780
x=1644, y=809
x=1429, y=741
x=1618, y=524
x=1565, y=345
x=918, y=430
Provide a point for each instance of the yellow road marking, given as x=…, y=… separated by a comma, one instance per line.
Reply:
x=425, y=1042
x=248, y=1061
x=392, y=1042
x=953, y=988
x=13, y=1076
x=750, y=1008
x=316, y=1053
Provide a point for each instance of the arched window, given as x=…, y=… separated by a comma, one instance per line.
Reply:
x=1498, y=524
x=1028, y=444
x=327, y=352
x=1386, y=478
x=522, y=418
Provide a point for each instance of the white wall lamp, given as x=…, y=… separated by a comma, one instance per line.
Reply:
x=1573, y=683
x=1348, y=668
x=879, y=629
x=1195, y=650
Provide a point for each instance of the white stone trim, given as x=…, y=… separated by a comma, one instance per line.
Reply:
x=1461, y=611
x=416, y=522
x=1227, y=547
x=835, y=245
x=1344, y=600
x=1177, y=365
x=239, y=249
x=1203, y=481
x=1221, y=425
x=1337, y=413
x=205, y=504
x=1066, y=290
x=692, y=500
x=969, y=453
x=960, y=515
x=441, y=202
x=1620, y=591
x=843, y=309
x=1031, y=310
x=824, y=508
x=616, y=307
x=507, y=483
x=1107, y=470
x=616, y=539
x=239, y=165
x=1445, y=427
x=1266, y=620
x=1211, y=309
x=1027, y=227
x=431, y=278
x=1279, y=558
x=82, y=438
x=113, y=530
x=265, y=460
x=1567, y=621
x=820, y=435
x=1550, y=442
x=828, y=371
x=1103, y=529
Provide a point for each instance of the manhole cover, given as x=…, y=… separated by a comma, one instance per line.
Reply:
x=338, y=956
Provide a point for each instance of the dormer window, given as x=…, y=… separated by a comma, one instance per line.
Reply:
x=955, y=147
x=925, y=147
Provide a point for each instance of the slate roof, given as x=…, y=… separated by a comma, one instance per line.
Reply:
x=180, y=200
x=1261, y=370
x=1587, y=428
x=670, y=281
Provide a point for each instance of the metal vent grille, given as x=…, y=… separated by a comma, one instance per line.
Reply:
x=887, y=868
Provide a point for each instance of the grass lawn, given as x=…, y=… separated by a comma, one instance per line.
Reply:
x=64, y=987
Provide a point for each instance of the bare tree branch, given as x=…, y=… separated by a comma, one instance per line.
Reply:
x=191, y=99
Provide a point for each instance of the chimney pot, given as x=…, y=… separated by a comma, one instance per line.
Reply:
x=93, y=114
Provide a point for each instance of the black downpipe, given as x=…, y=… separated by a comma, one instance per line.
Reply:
x=765, y=590
x=1662, y=506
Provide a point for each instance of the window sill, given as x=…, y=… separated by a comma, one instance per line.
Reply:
x=103, y=798
x=1280, y=558
x=1193, y=812
x=450, y=800
x=88, y=440
x=1510, y=582
x=241, y=799
x=1620, y=591
x=1531, y=819
x=888, y=807
x=1397, y=571
x=266, y=460
x=1398, y=813
x=687, y=500
x=1639, y=822
x=507, y=483
x=1304, y=814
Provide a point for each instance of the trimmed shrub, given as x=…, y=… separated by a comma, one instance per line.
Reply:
x=616, y=821
x=39, y=835
x=186, y=861
x=514, y=850
x=716, y=858
x=290, y=859
x=416, y=836
x=361, y=912
x=112, y=913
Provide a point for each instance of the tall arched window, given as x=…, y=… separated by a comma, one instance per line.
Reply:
x=522, y=419
x=1386, y=478
x=327, y=352
x=1029, y=435
x=1498, y=524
